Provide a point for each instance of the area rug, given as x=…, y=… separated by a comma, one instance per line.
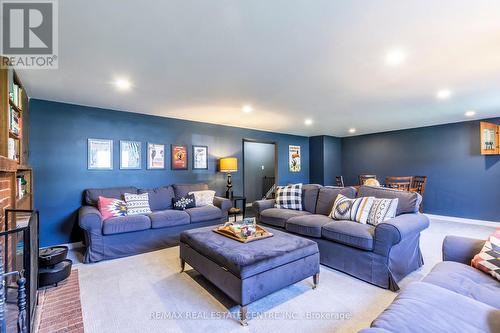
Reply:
x=59, y=308
x=146, y=293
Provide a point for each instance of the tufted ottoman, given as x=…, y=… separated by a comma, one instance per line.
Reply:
x=248, y=272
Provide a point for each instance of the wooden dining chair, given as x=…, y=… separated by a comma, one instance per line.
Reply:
x=339, y=181
x=363, y=178
x=418, y=185
x=399, y=183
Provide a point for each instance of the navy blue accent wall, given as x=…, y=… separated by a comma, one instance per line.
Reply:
x=58, y=155
x=325, y=159
x=461, y=182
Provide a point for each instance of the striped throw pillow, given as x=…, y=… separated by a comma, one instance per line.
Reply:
x=382, y=210
x=137, y=203
x=356, y=210
x=488, y=260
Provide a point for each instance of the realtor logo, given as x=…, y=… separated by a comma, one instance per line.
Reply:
x=29, y=33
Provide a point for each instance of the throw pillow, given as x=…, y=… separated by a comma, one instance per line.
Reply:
x=356, y=210
x=488, y=260
x=382, y=210
x=203, y=198
x=110, y=207
x=187, y=201
x=289, y=197
x=137, y=203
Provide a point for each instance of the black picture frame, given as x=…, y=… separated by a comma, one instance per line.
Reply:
x=194, y=162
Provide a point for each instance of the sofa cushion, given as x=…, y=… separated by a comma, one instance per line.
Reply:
x=327, y=196
x=160, y=198
x=307, y=225
x=309, y=197
x=408, y=202
x=137, y=203
x=121, y=224
x=278, y=216
x=356, y=210
x=181, y=190
x=110, y=207
x=248, y=259
x=467, y=281
x=205, y=213
x=423, y=307
x=168, y=218
x=350, y=233
x=93, y=194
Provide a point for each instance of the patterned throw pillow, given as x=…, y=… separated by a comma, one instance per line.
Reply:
x=181, y=203
x=289, y=197
x=356, y=210
x=488, y=260
x=382, y=210
x=110, y=207
x=203, y=198
x=137, y=203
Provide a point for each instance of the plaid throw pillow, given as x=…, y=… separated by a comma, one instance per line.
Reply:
x=488, y=260
x=289, y=197
x=137, y=203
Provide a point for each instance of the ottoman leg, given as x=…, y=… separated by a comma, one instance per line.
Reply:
x=315, y=280
x=243, y=316
x=183, y=264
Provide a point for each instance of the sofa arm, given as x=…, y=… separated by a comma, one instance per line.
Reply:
x=393, y=231
x=461, y=249
x=90, y=219
x=261, y=205
x=223, y=203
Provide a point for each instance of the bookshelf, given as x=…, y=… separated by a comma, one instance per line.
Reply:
x=14, y=136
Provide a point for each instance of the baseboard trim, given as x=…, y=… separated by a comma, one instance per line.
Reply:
x=464, y=220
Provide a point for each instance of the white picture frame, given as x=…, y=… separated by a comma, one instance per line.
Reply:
x=99, y=154
x=130, y=155
x=294, y=156
x=156, y=156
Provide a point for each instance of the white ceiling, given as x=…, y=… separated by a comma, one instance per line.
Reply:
x=322, y=59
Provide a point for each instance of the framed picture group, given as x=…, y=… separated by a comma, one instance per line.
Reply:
x=100, y=155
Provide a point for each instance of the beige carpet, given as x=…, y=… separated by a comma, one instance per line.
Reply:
x=146, y=293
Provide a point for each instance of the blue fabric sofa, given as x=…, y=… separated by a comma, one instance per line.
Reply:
x=380, y=255
x=454, y=297
x=128, y=235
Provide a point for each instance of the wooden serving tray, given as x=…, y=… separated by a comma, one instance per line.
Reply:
x=260, y=233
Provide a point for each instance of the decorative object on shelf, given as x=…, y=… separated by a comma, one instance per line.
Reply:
x=156, y=156
x=130, y=155
x=200, y=157
x=490, y=138
x=179, y=157
x=294, y=158
x=100, y=154
x=228, y=165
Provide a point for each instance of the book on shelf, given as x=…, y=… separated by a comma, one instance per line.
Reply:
x=17, y=96
x=14, y=121
x=11, y=153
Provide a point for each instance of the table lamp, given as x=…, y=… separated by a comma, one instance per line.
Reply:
x=228, y=165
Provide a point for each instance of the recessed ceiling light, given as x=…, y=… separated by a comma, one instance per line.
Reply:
x=122, y=84
x=308, y=122
x=247, y=108
x=395, y=57
x=443, y=94
x=470, y=113
x=352, y=130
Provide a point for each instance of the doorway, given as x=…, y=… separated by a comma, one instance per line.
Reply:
x=259, y=169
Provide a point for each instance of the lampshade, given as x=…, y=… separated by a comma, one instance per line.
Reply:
x=228, y=164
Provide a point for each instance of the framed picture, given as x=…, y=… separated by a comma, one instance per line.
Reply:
x=179, y=159
x=100, y=154
x=294, y=158
x=156, y=156
x=130, y=154
x=200, y=157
